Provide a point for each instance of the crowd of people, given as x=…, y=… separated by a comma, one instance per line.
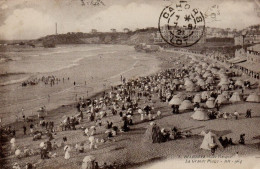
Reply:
x=133, y=97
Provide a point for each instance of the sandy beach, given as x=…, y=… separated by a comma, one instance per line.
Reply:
x=127, y=148
x=96, y=69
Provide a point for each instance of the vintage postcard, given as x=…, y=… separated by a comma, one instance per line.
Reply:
x=129, y=84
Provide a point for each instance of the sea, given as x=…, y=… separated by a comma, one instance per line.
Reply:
x=92, y=68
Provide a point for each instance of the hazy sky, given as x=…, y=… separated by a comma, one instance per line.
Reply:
x=30, y=19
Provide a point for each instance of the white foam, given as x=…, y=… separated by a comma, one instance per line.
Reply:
x=14, y=81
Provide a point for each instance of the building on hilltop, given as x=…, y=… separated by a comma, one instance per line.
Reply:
x=126, y=30
x=93, y=31
x=167, y=32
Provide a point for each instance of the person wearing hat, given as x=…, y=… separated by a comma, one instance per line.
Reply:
x=236, y=114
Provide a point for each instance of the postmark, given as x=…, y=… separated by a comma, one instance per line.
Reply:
x=181, y=25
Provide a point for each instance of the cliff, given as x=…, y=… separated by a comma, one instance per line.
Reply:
x=130, y=38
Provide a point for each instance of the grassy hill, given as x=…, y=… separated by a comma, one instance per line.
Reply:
x=130, y=38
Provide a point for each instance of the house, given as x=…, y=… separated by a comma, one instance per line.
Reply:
x=113, y=30
x=93, y=31
x=126, y=30
x=252, y=66
x=238, y=40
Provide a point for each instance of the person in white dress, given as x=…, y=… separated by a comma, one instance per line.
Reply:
x=67, y=150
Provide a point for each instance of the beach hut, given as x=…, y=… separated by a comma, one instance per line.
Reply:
x=186, y=105
x=253, y=97
x=210, y=103
x=197, y=98
x=235, y=97
x=200, y=114
x=210, y=140
x=175, y=100
x=221, y=99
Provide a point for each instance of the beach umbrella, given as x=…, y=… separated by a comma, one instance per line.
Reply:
x=197, y=98
x=253, y=97
x=175, y=101
x=205, y=95
x=221, y=99
x=185, y=105
x=200, y=114
x=188, y=82
x=235, y=97
x=210, y=103
x=210, y=140
x=191, y=88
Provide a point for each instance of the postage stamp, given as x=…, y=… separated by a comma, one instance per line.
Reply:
x=181, y=25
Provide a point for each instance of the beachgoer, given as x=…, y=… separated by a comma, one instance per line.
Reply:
x=67, y=150
x=24, y=130
x=31, y=128
x=236, y=114
x=242, y=139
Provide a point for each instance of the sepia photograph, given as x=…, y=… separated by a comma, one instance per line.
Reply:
x=129, y=84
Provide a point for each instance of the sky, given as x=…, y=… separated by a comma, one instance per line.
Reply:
x=32, y=19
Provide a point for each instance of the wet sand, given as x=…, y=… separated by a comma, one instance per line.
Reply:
x=99, y=69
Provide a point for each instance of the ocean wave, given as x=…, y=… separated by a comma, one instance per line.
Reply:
x=62, y=51
x=14, y=81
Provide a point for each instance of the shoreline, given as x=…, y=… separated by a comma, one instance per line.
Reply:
x=113, y=79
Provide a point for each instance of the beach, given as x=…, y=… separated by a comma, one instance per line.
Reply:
x=127, y=148
x=93, y=67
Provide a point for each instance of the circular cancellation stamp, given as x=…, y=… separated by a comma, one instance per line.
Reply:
x=181, y=25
